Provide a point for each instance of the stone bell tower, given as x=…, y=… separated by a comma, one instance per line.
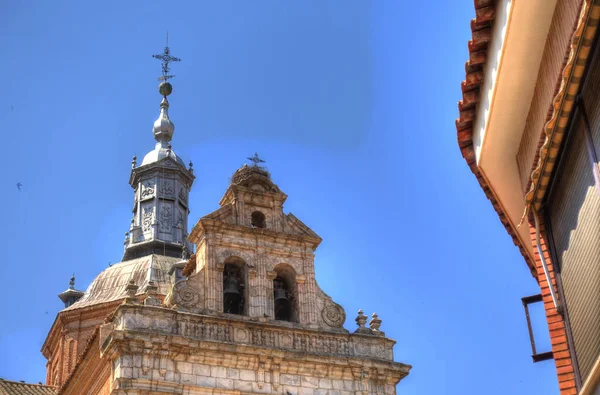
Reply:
x=245, y=314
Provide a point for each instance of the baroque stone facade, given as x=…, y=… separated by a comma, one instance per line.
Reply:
x=176, y=352
x=243, y=315
x=191, y=343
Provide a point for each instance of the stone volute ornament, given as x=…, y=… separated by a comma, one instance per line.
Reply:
x=334, y=315
x=185, y=295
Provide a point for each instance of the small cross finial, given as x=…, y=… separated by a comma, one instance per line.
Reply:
x=255, y=159
x=166, y=58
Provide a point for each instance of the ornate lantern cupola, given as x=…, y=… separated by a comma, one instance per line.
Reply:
x=162, y=184
x=71, y=295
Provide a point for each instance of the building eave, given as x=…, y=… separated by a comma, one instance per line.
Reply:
x=470, y=107
x=550, y=137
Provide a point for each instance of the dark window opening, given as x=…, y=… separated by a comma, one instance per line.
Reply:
x=258, y=220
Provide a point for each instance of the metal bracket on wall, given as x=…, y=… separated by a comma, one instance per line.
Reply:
x=535, y=356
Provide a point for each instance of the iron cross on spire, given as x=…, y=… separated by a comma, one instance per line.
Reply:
x=166, y=58
x=255, y=159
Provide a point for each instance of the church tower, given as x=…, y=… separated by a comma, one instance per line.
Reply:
x=155, y=242
x=242, y=315
x=162, y=184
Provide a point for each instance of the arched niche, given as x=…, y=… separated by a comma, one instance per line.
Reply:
x=285, y=294
x=258, y=219
x=235, y=289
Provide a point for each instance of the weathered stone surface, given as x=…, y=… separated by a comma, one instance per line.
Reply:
x=192, y=344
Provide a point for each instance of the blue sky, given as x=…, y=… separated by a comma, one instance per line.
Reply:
x=352, y=104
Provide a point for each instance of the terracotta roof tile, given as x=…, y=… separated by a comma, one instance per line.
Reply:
x=17, y=388
x=481, y=32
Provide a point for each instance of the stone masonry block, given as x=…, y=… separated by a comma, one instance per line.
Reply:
x=188, y=378
x=184, y=367
x=219, y=372
x=325, y=383
x=310, y=382
x=201, y=369
x=289, y=379
x=337, y=384
x=233, y=373
x=210, y=382
x=242, y=385
x=246, y=374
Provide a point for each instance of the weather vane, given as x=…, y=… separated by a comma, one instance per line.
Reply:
x=255, y=159
x=166, y=58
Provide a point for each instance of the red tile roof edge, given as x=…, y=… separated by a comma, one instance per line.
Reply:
x=481, y=30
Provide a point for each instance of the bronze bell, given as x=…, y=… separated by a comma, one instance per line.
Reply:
x=282, y=301
x=232, y=297
x=231, y=286
x=281, y=294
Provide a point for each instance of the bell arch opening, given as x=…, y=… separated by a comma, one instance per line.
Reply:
x=235, y=296
x=258, y=220
x=285, y=294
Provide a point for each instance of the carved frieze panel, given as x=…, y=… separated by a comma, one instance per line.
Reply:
x=147, y=217
x=187, y=297
x=148, y=190
x=180, y=222
x=167, y=189
x=183, y=195
x=166, y=217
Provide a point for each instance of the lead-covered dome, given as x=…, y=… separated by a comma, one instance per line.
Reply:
x=110, y=284
x=161, y=151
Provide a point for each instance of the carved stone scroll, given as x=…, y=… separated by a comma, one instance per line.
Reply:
x=333, y=315
x=185, y=295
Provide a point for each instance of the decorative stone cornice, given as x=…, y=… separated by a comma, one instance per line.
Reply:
x=195, y=327
x=206, y=225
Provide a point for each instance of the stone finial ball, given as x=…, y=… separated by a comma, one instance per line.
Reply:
x=165, y=88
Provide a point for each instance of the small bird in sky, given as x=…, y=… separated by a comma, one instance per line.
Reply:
x=19, y=185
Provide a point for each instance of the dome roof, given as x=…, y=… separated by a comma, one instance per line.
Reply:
x=110, y=284
x=161, y=151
